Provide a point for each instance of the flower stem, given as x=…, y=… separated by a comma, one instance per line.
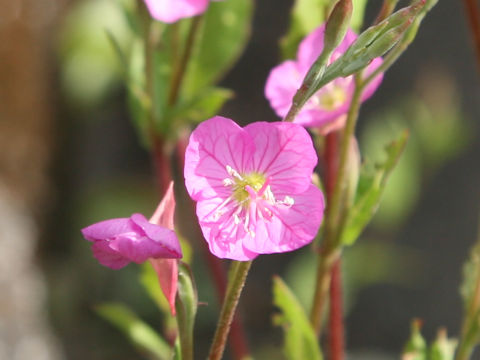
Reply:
x=181, y=65
x=237, y=277
x=331, y=249
x=336, y=328
x=237, y=340
x=185, y=333
x=326, y=260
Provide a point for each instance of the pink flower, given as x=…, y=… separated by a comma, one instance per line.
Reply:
x=169, y=11
x=117, y=242
x=326, y=109
x=253, y=187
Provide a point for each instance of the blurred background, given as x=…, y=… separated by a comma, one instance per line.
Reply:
x=69, y=157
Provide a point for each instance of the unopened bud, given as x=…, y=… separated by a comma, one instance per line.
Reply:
x=337, y=25
x=443, y=348
x=385, y=42
x=416, y=347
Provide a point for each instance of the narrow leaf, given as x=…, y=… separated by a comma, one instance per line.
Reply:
x=213, y=54
x=139, y=333
x=370, y=190
x=300, y=340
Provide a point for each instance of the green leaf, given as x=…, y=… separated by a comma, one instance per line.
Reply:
x=300, y=340
x=90, y=68
x=306, y=16
x=223, y=36
x=369, y=192
x=139, y=333
x=203, y=106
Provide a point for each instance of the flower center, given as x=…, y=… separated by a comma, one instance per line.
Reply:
x=239, y=187
x=332, y=98
x=246, y=188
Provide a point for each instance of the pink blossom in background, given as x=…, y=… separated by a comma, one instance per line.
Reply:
x=253, y=187
x=117, y=242
x=327, y=108
x=169, y=11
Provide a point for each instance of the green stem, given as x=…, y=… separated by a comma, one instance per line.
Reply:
x=185, y=333
x=237, y=277
x=331, y=247
x=181, y=65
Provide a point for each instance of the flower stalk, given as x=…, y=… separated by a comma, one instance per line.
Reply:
x=331, y=248
x=237, y=278
x=181, y=65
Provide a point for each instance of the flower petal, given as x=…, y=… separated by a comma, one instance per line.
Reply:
x=167, y=272
x=312, y=45
x=375, y=83
x=224, y=237
x=213, y=145
x=165, y=243
x=170, y=11
x=107, y=256
x=165, y=213
x=291, y=227
x=282, y=84
x=107, y=229
x=285, y=154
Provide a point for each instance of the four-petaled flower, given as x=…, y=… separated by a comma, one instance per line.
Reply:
x=170, y=11
x=253, y=187
x=327, y=108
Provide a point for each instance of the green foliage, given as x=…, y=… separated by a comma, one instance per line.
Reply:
x=202, y=106
x=416, y=347
x=213, y=54
x=211, y=57
x=300, y=339
x=186, y=305
x=89, y=62
x=394, y=264
x=470, y=293
x=307, y=15
x=369, y=192
x=138, y=333
x=149, y=280
x=358, y=14
x=443, y=348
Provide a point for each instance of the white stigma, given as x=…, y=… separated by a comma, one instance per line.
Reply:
x=260, y=195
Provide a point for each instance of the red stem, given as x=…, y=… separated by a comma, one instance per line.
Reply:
x=161, y=164
x=335, y=323
x=472, y=13
x=237, y=339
